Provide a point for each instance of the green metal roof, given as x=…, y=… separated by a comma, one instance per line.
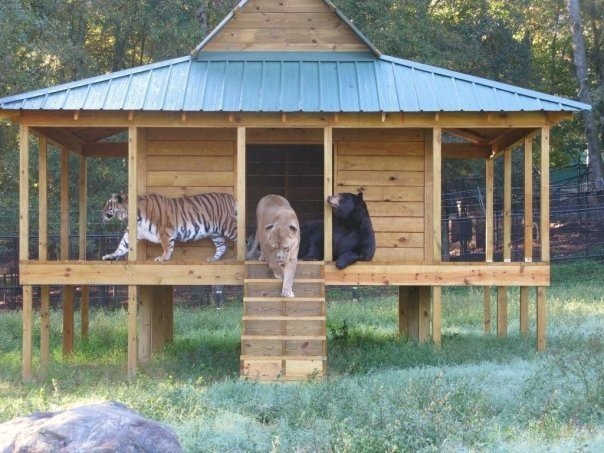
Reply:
x=289, y=82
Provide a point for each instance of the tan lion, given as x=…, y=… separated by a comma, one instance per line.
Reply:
x=278, y=233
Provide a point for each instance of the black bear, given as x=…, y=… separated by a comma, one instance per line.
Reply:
x=353, y=236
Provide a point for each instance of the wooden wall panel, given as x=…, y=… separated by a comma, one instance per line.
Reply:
x=286, y=25
x=183, y=162
x=389, y=169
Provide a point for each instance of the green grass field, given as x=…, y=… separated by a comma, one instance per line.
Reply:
x=478, y=392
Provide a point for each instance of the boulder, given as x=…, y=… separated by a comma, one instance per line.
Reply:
x=100, y=427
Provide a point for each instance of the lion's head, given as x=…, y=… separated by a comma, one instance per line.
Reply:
x=284, y=239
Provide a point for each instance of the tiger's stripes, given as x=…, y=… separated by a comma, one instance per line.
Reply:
x=164, y=221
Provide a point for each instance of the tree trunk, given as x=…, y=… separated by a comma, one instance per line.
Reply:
x=594, y=145
x=591, y=131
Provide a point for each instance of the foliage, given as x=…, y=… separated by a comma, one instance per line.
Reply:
x=382, y=393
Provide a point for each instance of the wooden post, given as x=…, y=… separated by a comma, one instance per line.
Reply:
x=502, y=311
x=328, y=190
x=132, y=338
x=437, y=234
x=241, y=193
x=488, y=240
x=27, y=368
x=528, y=231
x=168, y=297
x=68, y=322
x=82, y=224
x=43, y=250
x=545, y=254
x=414, y=312
x=507, y=205
x=133, y=290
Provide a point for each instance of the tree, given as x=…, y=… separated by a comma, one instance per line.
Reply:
x=591, y=130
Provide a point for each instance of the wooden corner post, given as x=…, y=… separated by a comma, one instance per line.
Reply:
x=68, y=290
x=43, y=250
x=545, y=254
x=437, y=229
x=528, y=231
x=132, y=244
x=240, y=191
x=328, y=189
x=489, y=231
x=27, y=369
x=83, y=231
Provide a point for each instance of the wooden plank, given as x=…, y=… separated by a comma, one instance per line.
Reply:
x=298, y=47
x=132, y=330
x=302, y=369
x=376, y=139
x=315, y=35
x=133, y=149
x=240, y=187
x=284, y=20
x=64, y=255
x=436, y=194
x=24, y=194
x=190, y=178
x=528, y=200
x=443, y=274
x=165, y=137
x=191, y=163
x=369, y=162
x=44, y=327
x=382, y=178
x=284, y=136
x=27, y=367
x=68, y=321
x=328, y=189
x=507, y=206
x=42, y=198
x=141, y=182
x=181, y=191
x=398, y=224
x=502, y=311
x=125, y=273
x=541, y=318
x=395, y=209
x=414, y=312
x=388, y=255
x=428, y=194
x=274, y=6
x=544, y=195
x=379, y=147
x=192, y=148
x=212, y=120
x=400, y=240
x=437, y=316
x=465, y=151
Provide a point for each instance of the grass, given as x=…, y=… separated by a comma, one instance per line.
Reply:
x=478, y=392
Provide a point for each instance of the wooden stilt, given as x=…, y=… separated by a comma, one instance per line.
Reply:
x=27, y=333
x=414, y=312
x=502, y=311
x=328, y=189
x=83, y=230
x=145, y=297
x=68, y=321
x=132, y=330
x=524, y=310
x=488, y=241
x=168, y=297
x=436, y=316
x=43, y=250
x=27, y=365
x=44, y=327
x=541, y=318
x=84, y=310
x=486, y=308
x=241, y=193
x=528, y=231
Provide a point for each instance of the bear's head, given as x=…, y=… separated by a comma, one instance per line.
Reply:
x=348, y=206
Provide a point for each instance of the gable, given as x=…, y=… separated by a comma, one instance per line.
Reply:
x=285, y=25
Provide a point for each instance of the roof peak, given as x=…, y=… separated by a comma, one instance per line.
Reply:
x=285, y=25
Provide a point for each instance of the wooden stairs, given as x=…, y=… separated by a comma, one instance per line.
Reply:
x=283, y=338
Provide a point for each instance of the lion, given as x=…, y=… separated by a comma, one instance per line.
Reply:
x=278, y=234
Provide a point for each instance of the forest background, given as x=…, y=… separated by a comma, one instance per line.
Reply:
x=528, y=43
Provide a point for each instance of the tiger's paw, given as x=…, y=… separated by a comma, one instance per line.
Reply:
x=212, y=259
x=108, y=258
x=287, y=293
x=160, y=259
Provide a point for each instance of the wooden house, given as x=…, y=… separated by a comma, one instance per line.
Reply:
x=287, y=96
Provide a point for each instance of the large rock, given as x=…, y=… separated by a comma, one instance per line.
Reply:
x=102, y=427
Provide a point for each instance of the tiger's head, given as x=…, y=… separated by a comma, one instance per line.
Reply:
x=116, y=206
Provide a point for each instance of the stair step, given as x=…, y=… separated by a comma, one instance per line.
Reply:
x=304, y=269
x=284, y=337
x=283, y=357
x=283, y=299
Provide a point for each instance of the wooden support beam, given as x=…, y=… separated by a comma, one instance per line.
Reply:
x=64, y=254
x=62, y=138
x=132, y=330
x=68, y=321
x=428, y=190
x=544, y=195
x=83, y=207
x=513, y=138
x=44, y=327
x=84, y=310
x=437, y=316
x=153, y=301
x=240, y=189
x=502, y=311
x=489, y=207
x=23, y=193
x=436, y=193
x=524, y=310
x=414, y=312
x=168, y=298
x=27, y=365
x=133, y=144
x=328, y=189
x=507, y=206
x=528, y=200
x=486, y=310
x=42, y=198
x=465, y=151
x=541, y=318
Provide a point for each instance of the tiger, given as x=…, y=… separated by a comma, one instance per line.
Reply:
x=164, y=220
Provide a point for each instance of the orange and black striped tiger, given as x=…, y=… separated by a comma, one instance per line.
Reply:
x=165, y=220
